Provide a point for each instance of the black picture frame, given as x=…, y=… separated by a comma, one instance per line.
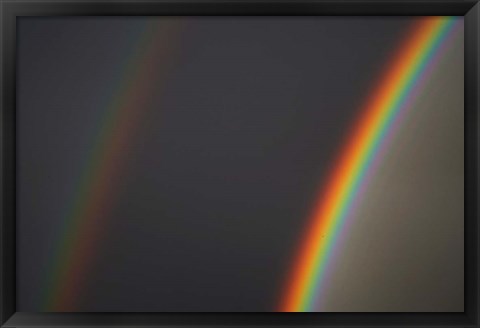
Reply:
x=10, y=10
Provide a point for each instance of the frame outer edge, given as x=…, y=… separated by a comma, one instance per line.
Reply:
x=7, y=163
x=472, y=124
x=8, y=157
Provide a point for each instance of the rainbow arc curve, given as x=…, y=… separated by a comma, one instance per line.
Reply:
x=386, y=102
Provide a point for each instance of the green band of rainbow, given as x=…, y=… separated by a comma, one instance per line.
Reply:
x=387, y=100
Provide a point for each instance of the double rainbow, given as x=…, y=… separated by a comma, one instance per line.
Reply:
x=395, y=90
x=87, y=217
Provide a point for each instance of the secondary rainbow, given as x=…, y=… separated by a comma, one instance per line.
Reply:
x=394, y=91
x=98, y=185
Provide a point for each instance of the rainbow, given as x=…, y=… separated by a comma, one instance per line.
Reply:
x=396, y=88
x=88, y=215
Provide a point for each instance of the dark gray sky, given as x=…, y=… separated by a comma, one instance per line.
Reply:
x=224, y=166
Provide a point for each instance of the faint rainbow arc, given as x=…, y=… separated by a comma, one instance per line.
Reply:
x=81, y=231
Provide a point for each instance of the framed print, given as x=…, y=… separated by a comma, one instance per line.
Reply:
x=239, y=163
